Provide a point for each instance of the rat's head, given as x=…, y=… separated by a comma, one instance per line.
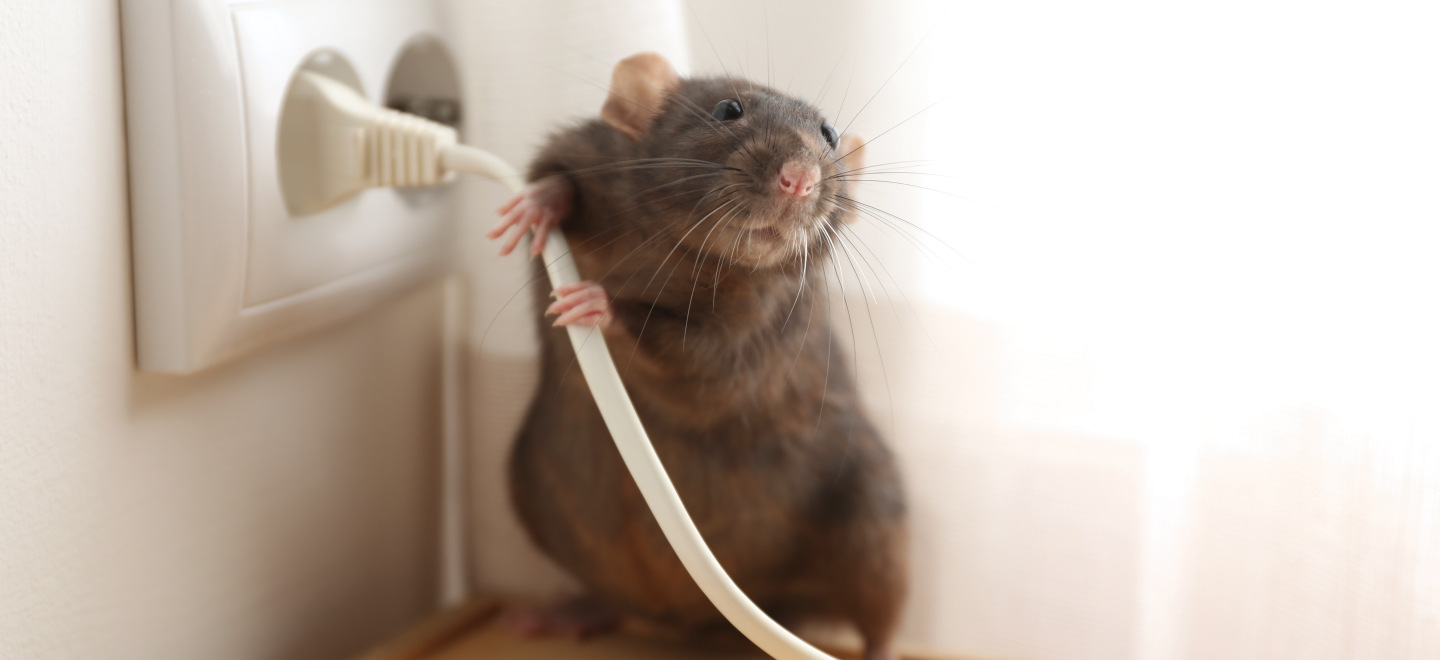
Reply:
x=737, y=170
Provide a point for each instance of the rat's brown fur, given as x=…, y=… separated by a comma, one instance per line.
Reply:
x=727, y=351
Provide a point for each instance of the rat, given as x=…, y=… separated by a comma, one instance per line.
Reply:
x=700, y=213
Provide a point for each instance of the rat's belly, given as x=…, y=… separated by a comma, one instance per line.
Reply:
x=580, y=505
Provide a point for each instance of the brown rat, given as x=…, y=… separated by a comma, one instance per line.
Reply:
x=699, y=212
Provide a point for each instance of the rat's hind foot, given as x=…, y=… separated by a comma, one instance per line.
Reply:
x=576, y=617
x=879, y=653
x=581, y=303
x=540, y=205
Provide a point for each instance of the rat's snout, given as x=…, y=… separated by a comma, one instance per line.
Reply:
x=798, y=179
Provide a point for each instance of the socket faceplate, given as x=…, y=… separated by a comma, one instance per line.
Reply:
x=221, y=267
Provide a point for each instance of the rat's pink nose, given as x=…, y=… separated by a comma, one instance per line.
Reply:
x=798, y=178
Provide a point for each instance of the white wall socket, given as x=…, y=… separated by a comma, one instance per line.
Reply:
x=221, y=266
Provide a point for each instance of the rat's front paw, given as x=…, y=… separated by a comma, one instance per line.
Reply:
x=541, y=205
x=581, y=303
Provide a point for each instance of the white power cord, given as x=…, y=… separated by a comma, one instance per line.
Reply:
x=361, y=146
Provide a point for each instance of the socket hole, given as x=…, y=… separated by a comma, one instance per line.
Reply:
x=424, y=82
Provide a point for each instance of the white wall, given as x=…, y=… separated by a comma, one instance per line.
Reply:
x=283, y=506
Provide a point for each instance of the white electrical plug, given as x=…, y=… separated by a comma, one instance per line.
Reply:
x=334, y=143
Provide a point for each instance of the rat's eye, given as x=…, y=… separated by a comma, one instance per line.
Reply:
x=831, y=135
x=727, y=110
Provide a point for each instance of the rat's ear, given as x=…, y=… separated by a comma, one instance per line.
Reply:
x=852, y=152
x=637, y=90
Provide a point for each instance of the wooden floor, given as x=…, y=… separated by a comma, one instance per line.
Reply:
x=470, y=632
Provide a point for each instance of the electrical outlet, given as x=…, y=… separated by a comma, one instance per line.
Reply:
x=222, y=264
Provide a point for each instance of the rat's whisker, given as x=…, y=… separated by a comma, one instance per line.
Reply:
x=840, y=110
x=804, y=336
x=858, y=175
x=904, y=233
x=722, y=264
x=880, y=211
x=859, y=274
x=698, y=258
x=902, y=122
x=825, y=384
x=852, y=238
x=892, y=75
x=897, y=163
x=804, y=264
x=874, y=332
x=713, y=49
x=651, y=239
x=694, y=280
x=854, y=344
x=659, y=161
x=599, y=170
x=825, y=87
x=858, y=240
x=678, y=242
x=718, y=223
x=915, y=185
x=675, y=182
x=714, y=190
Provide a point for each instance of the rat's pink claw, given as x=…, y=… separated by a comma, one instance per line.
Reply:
x=539, y=207
x=581, y=303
